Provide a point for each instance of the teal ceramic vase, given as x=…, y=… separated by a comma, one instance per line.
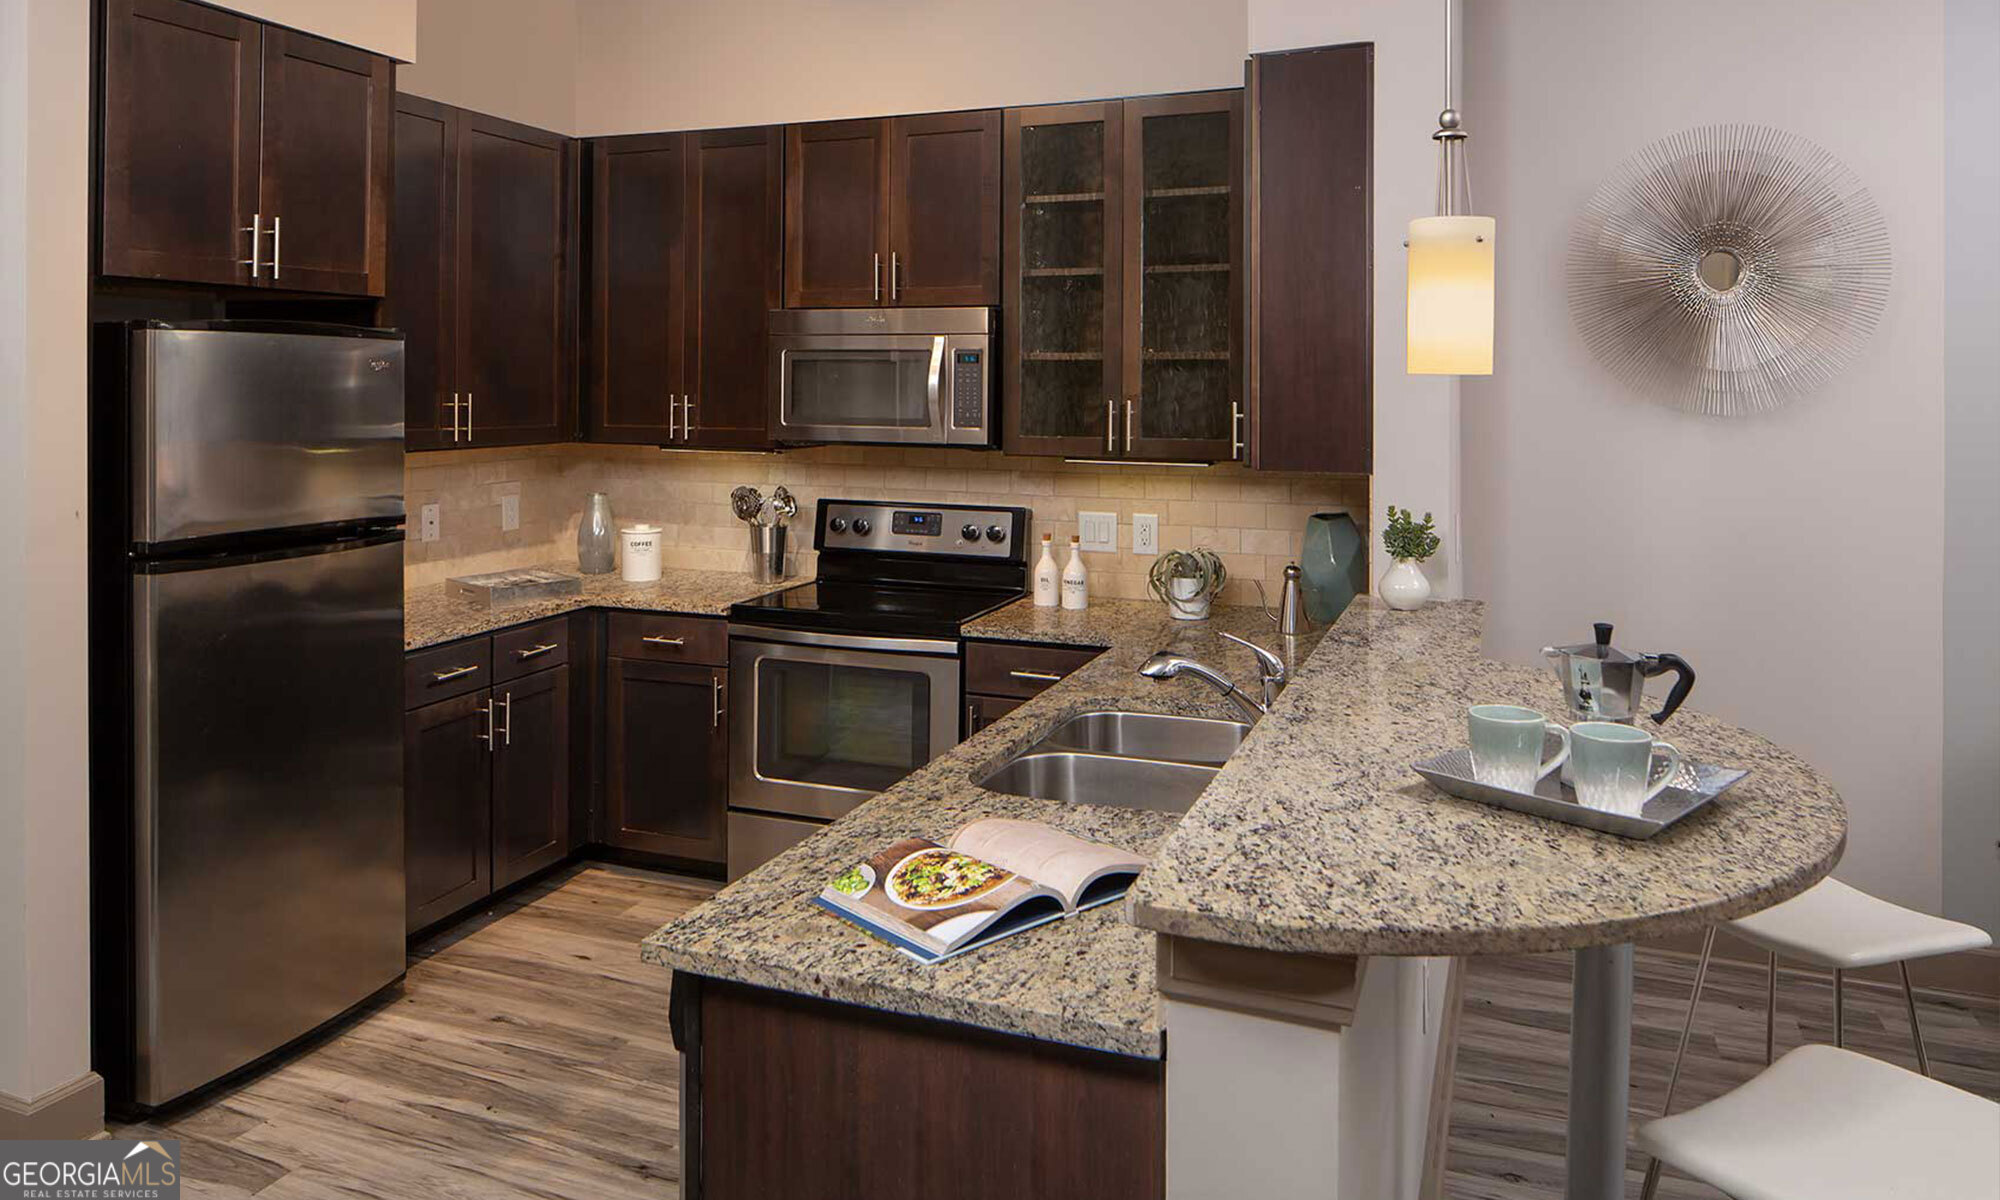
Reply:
x=1335, y=565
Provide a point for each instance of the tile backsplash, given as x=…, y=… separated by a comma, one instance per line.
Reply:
x=1254, y=519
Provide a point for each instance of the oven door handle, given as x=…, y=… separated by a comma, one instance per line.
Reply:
x=844, y=641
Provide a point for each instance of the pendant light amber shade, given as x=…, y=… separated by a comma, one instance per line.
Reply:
x=1451, y=296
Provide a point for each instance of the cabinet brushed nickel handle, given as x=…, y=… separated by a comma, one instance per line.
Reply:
x=673, y=403
x=1236, y=446
x=1111, y=425
x=254, y=229
x=468, y=416
x=654, y=639
x=507, y=707
x=1129, y=401
x=536, y=651
x=687, y=417
x=487, y=737
x=892, y=276
x=277, y=246
x=452, y=673
x=1037, y=676
x=875, y=277
x=715, y=721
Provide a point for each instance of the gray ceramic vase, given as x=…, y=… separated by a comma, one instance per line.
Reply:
x=1334, y=563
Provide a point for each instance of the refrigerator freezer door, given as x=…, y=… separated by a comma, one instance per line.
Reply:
x=269, y=805
x=235, y=431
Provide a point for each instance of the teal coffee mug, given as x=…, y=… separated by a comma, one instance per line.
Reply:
x=1614, y=768
x=1507, y=743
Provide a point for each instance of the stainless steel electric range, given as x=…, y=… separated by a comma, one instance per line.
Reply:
x=848, y=683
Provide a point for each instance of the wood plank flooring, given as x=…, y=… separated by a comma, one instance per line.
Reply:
x=528, y=1056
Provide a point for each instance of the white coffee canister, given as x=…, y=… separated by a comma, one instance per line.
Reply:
x=642, y=553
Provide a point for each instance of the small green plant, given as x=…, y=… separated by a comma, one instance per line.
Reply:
x=1200, y=564
x=1405, y=537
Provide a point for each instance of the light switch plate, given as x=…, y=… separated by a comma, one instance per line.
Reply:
x=510, y=512
x=1097, y=530
x=428, y=519
x=1146, y=533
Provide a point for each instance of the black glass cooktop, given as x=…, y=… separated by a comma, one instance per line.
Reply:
x=838, y=606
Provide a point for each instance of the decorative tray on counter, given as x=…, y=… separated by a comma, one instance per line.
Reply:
x=502, y=589
x=1693, y=787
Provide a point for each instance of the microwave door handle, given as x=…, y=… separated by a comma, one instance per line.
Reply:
x=936, y=384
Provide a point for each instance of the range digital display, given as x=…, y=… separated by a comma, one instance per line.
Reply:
x=925, y=524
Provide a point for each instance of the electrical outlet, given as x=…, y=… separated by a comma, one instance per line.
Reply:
x=428, y=520
x=510, y=512
x=1097, y=530
x=1146, y=533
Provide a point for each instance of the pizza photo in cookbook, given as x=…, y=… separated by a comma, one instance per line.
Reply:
x=992, y=879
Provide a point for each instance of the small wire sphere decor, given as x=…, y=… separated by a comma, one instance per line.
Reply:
x=1728, y=269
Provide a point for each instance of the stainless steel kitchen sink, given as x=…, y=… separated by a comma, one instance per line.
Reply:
x=1149, y=735
x=1075, y=777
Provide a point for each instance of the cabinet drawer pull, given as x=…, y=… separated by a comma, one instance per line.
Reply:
x=687, y=417
x=487, y=737
x=537, y=651
x=506, y=731
x=892, y=276
x=1128, y=425
x=1037, y=676
x=1111, y=425
x=875, y=276
x=654, y=639
x=1236, y=446
x=277, y=246
x=715, y=721
x=255, y=229
x=451, y=673
x=468, y=416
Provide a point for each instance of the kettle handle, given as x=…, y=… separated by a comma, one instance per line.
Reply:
x=1660, y=664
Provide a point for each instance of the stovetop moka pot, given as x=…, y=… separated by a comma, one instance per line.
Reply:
x=1603, y=683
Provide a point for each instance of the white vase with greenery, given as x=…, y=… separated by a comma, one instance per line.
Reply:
x=1409, y=542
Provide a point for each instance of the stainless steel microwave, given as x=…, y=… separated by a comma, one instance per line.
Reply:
x=922, y=376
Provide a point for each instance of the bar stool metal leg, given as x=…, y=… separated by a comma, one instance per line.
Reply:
x=1771, y=1012
x=1652, y=1183
x=1839, y=1009
x=1916, y=1030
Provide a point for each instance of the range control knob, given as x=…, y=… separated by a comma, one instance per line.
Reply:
x=837, y=525
x=862, y=526
x=970, y=533
x=996, y=533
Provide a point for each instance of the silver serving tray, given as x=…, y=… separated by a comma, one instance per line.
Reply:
x=1693, y=787
x=503, y=589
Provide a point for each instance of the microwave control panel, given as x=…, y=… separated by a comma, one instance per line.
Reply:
x=968, y=389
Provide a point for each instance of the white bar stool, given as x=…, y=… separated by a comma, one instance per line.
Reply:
x=1841, y=929
x=1829, y=1124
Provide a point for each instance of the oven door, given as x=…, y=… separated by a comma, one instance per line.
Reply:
x=828, y=720
x=893, y=388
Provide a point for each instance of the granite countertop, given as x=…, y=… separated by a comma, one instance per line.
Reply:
x=1318, y=837
x=1087, y=980
x=431, y=615
x=1315, y=837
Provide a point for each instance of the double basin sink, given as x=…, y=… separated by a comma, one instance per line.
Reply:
x=1131, y=760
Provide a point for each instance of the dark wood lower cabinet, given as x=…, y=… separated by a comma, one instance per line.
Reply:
x=666, y=758
x=447, y=773
x=866, y=1103
x=531, y=774
x=981, y=711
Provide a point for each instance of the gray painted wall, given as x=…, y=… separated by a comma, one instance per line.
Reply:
x=1972, y=466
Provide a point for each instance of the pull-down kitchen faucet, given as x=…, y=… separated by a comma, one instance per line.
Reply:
x=1271, y=669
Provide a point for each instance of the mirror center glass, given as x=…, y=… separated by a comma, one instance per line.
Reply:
x=1720, y=269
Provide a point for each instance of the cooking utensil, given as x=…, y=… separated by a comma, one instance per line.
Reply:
x=784, y=504
x=745, y=502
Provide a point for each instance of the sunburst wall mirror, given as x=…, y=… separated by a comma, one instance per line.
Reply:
x=1728, y=269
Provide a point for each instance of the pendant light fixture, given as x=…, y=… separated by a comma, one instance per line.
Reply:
x=1451, y=259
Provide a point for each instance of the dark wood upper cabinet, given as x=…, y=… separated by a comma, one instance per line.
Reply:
x=836, y=214
x=447, y=851
x=326, y=165
x=1063, y=375
x=638, y=289
x=893, y=211
x=1312, y=335
x=944, y=209
x=513, y=309
x=180, y=127
x=686, y=247
x=479, y=278
x=531, y=774
x=1124, y=265
x=1183, y=263
x=666, y=758
x=421, y=294
x=241, y=153
x=734, y=254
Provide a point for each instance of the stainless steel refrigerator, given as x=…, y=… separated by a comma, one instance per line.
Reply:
x=250, y=844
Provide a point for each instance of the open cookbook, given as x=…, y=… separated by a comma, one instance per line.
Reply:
x=993, y=878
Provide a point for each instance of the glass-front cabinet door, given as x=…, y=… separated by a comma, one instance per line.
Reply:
x=1183, y=369
x=1064, y=275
